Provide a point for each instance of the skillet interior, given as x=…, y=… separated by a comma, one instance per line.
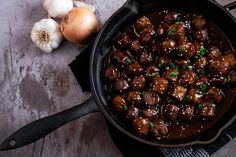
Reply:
x=125, y=16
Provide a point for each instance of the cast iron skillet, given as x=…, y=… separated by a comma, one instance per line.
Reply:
x=123, y=17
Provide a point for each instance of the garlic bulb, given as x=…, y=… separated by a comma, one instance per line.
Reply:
x=57, y=8
x=46, y=35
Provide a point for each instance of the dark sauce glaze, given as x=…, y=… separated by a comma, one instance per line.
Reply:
x=179, y=129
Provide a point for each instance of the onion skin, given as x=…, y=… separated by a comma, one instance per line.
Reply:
x=79, y=25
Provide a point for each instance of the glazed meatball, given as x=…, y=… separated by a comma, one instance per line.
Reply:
x=172, y=74
x=134, y=98
x=160, y=128
x=146, y=58
x=167, y=46
x=136, y=47
x=206, y=110
x=151, y=71
x=151, y=114
x=118, y=103
x=147, y=34
x=219, y=67
x=186, y=48
x=199, y=22
x=229, y=57
x=178, y=92
x=121, y=85
x=171, y=112
x=171, y=17
x=141, y=125
x=134, y=69
x=195, y=96
x=138, y=82
x=151, y=98
x=163, y=61
x=111, y=74
x=201, y=63
x=176, y=31
x=202, y=81
x=123, y=41
x=132, y=112
x=186, y=112
x=214, y=94
x=214, y=52
x=187, y=77
x=143, y=23
x=119, y=59
x=201, y=35
x=160, y=85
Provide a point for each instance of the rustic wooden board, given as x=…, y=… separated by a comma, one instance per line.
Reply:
x=34, y=85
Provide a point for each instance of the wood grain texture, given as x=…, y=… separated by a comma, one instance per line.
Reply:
x=34, y=85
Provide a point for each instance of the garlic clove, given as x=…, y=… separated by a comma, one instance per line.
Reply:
x=46, y=35
x=57, y=8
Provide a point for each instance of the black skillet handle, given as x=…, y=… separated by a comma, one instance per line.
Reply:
x=230, y=6
x=42, y=127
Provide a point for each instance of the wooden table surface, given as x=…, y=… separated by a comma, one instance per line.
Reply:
x=34, y=85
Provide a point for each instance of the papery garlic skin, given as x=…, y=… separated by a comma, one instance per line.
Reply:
x=57, y=8
x=46, y=35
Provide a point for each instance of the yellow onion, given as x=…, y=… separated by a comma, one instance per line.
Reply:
x=79, y=25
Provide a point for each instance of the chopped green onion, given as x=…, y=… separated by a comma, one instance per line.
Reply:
x=226, y=79
x=167, y=68
x=154, y=74
x=187, y=98
x=201, y=72
x=177, y=22
x=126, y=108
x=203, y=87
x=203, y=52
x=143, y=93
x=183, y=48
x=200, y=106
x=171, y=32
x=213, y=105
x=178, y=18
x=128, y=61
x=173, y=74
x=152, y=125
x=161, y=63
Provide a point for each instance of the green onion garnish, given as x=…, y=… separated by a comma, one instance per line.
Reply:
x=126, y=108
x=203, y=87
x=200, y=106
x=187, y=98
x=213, y=105
x=143, y=93
x=161, y=63
x=152, y=125
x=154, y=74
x=226, y=79
x=173, y=74
x=167, y=68
x=203, y=52
x=171, y=32
x=183, y=48
x=128, y=61
x=201, y=72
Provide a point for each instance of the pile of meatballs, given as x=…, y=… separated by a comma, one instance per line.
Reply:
x=167, y=73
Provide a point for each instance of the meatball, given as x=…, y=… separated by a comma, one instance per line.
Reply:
x=219, y=67
x=202, y=81
x=134, y=69
x=178, y=92
x=186, y=112
x=187, y=77
x=214, y=52
x=214, y=94
x=151, y=114
x=195, y=96
x=151, y=98
x=136, y=47
x=111, y=74
x=123, y=41
x=119, y=59
x=160, y=85
x=206, y=110
x=163, y=61
x=201, y=35
x=199, y=22
x=201, y=63
x=171, y=112
x=145, y=58
x=176, y=31
x=134, y=98
x=171, y=17
x=138, y=82
x=167, y=46
x=186, y=48
x=159, y=128
x=183, y=62
x=151, y=71
x=147, y=34
x=172, y=74
x=132, y=112
x=118, y=103
x=142, y=23
x=232, y=77
x=229, y=57
x=162, y=29
x=121, y=85
x=141, y=125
